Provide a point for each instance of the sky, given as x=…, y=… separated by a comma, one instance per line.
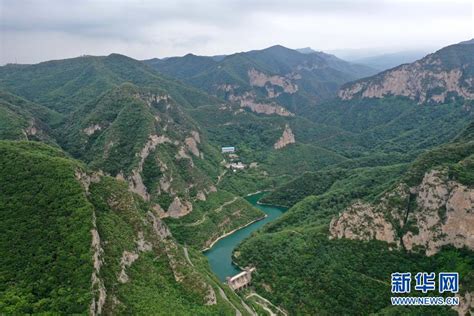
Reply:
x=32, y=31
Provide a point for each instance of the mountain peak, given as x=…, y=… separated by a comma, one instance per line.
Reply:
x=306, y=50
x=468, y=42
x=444, y=75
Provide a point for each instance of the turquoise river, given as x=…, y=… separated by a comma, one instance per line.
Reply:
x=220, y=255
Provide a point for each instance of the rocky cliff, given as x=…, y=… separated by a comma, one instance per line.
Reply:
x=287, y=138
x=437, y=78
x=437, y=212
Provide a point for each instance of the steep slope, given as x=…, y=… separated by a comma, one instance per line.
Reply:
x=383, y=212
x=445, y=75
x=82, y=243
x=276, y=80
x=125, y=120
x=64, y=85
x=24, y=120
x=429, y=208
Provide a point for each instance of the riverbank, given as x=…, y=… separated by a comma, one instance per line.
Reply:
x=233, y=231
x=219, y=253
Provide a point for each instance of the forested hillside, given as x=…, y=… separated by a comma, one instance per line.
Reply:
x=352, y=276
x=50, y=205
x=276, y=80
x=113, y=181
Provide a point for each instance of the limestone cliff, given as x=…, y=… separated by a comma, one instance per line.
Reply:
x=437, y=78
x=287, y=138
x=259, y=79
x=249, y=100
x=437, y=212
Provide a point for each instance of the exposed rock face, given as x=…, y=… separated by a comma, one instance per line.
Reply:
x=179, y=209
x=201, y=196
x=435, y=78
x=97, y=284
x=444, y=215
x=127, y=259
x=151, y=98
x=248, y=100
x=210, y=298
x=287, y=138
x=191, y=145
x=361, y=221
x=135, y=181
x=86, y=179
x=259, y=79
x=92, y=129
x=160, y=229
x=466, y=304
x=436, y=195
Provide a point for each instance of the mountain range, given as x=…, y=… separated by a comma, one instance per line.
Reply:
x=113, y=181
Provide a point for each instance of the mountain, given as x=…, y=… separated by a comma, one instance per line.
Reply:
x=21, y=119
x=445, y=75
x=113, y=182
x=402, y=201
x=64, y=85
x=306, y=50
x=275, y=80
x=387, y=61
x=359, y=226
x=77, y=242
x=129, y=130
x=429, y=208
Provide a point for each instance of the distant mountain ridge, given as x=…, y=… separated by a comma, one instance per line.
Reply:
x=275, y=80
x=387, y=61
x=437, y=78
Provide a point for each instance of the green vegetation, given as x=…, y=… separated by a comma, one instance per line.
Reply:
x=221, y=213
x=45, y=220
x=151, y=285
x=342, y=276
x=120, y=118
x=304, y=272
x=329, y=196
x=318, y=79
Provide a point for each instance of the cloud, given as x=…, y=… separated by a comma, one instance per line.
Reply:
x=31, y=31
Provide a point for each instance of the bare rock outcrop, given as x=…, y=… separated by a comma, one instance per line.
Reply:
x=248, y=100
x=179, y=209
x=160, y=229
x=92, y=129
x=425, y=80
x=191, y=145
x=99, y=293
x=135, y=180
x=466, y=304
x=259, y=79
x=87, y=178
x=362, y=221
x=443, y=215
x=210, y=298
x=287, y=138
x=126, y=261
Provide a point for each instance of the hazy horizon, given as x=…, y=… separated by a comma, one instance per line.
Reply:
x=34, y=31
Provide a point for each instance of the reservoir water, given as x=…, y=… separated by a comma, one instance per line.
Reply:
x=220, y=255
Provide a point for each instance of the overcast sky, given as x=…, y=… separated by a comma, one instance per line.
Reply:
x=37, y=30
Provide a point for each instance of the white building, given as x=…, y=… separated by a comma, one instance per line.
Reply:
x=228, y=150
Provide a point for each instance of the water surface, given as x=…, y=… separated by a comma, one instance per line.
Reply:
x=220, y=255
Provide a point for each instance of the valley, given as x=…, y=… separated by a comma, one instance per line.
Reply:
x=116, y=196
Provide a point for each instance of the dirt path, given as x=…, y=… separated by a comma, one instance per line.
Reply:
x=217, y=210
x=265, y=306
